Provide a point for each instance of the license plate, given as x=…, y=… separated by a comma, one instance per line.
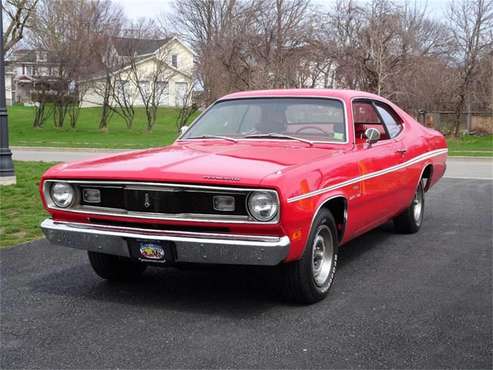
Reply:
x=152, y=251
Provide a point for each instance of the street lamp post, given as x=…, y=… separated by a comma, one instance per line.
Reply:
x=7, y=174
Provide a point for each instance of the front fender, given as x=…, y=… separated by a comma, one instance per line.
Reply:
x=300, y=215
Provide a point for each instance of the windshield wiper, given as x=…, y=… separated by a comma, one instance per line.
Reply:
x=279, y=136
x=214, y=137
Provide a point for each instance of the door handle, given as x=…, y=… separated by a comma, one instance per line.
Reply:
x=401, y=151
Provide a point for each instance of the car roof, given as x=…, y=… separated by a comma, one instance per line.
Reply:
x=323, y=93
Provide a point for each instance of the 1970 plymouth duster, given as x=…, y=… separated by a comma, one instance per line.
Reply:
x=276, y=177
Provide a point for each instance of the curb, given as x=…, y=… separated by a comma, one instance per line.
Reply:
x=467, y=157
x=68, y=149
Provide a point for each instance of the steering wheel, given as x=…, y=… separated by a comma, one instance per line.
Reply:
x=310, y=128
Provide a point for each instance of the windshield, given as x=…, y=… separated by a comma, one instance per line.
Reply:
x=305, y=118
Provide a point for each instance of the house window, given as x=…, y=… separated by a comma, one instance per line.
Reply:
x=174, y=60
x=27, y=70
x=41, y=56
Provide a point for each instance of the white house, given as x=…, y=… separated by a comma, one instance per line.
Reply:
x=23, y=69
x=163, y=66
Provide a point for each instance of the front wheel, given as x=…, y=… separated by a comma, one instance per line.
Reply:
x=309, y=279
x=409, y=221
x=114, y=267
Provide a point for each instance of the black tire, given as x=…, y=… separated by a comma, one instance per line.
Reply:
x=300, y=283
x=408, y=222
x=115, y=268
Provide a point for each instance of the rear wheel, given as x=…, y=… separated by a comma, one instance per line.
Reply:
x=309, y=279
x=409, y=221
x=115, y=267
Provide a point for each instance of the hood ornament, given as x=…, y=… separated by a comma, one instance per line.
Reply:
x=147, y=200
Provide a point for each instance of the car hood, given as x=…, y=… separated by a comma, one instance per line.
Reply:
x=202, y=162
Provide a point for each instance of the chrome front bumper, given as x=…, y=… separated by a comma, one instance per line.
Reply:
x=189, y=246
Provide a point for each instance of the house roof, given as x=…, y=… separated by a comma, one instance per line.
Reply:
x=130, y=46
x=144, y=49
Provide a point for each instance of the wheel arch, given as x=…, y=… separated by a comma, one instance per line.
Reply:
x=338, y=207
x=426, y=173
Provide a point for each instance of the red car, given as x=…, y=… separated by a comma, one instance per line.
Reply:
x=276, y=177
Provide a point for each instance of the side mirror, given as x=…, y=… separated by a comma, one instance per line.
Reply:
x=372, y=135
x=183, y=129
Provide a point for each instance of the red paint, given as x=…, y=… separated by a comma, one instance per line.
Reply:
x=290, y=167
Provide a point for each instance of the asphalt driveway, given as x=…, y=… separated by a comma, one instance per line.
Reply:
x=412, y=301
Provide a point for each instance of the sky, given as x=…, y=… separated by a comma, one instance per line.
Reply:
x=135, y=9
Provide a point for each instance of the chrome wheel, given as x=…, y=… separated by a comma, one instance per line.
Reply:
x=418, y=207
x=322, y=256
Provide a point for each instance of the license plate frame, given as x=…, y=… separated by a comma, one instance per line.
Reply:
x=138, y=246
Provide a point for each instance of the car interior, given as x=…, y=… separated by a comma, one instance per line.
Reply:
x=299, y=120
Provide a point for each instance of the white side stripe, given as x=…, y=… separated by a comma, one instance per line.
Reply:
x=371, y=175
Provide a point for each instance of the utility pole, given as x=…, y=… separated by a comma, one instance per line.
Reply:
x=7, y=174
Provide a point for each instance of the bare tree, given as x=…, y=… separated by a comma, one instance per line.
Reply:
x=152, y=87
x=188, y=108
x=69, y=31
x=217, y=30
x=19, y=13
x=150, y=75
x=471, y=24
x=391, y=48
x=251, y=44
x=41, y=97
x=338, y=39
x=108, y=61
x=482, y=88
x=383, y=47
x=284, y=27
x=123, y=97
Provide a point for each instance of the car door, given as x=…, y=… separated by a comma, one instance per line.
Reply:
x=379, y=198
x=394, y=125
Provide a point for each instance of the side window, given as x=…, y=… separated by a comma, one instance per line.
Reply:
x=390, y=119
x=365, y=116
x=364, y=113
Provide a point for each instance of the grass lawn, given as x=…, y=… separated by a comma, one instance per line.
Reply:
x=87, y=133
x=20, y=205
x=471, y=146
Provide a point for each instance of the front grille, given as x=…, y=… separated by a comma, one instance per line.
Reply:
x=170, y=201
x=177, y=202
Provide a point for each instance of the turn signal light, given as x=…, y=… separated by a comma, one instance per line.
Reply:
x=91, y=195
x=224, y=203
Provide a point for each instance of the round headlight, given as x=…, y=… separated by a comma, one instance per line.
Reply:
x=62, y=194
x=263, y=205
